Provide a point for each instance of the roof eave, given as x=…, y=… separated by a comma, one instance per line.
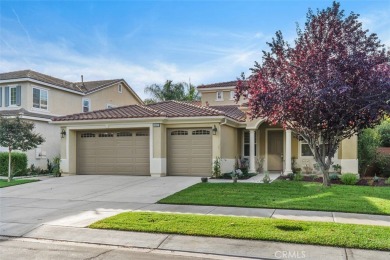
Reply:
x=42, y=83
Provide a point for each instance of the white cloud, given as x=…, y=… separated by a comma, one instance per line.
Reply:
x=378, y=22
x=60, y=59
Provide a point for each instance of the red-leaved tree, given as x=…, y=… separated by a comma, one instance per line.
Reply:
x=330, y=84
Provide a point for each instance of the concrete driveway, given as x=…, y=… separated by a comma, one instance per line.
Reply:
x=77, y=201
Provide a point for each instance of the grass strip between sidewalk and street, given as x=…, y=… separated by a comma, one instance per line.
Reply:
x=302, y=232
x=287, y=195
x=5, y=183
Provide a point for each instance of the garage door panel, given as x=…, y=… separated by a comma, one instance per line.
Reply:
x=189, y=152
x=114, y=152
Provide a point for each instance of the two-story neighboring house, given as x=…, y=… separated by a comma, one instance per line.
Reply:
x=38, y=97
x=184, y=138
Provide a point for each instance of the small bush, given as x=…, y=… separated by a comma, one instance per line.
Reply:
x=266, y=178
x=334, y=176
x=18, y=163
x=349, y=179
x=384, y=133
x=298, y=176
x=383, y=164
x=290, y=176
x=217, y=168
x=387, y=181
x=56, y=166
x=33, y=170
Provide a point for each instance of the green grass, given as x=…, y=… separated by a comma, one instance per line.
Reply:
x=287, y=195
x=5, y=183
x=302, y=232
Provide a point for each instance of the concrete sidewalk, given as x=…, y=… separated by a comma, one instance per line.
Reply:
x=305, y=215
x=201, y=245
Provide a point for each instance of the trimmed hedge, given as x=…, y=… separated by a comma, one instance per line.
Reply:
x=18, y=163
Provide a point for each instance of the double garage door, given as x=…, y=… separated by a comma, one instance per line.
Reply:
x=126, y=152
x=189, y=152
x=122, y=152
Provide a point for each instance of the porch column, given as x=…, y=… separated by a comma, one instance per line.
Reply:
x=252, y=167
x=287, y=168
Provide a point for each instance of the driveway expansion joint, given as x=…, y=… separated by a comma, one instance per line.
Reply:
x=272, y=214
x=162, y=242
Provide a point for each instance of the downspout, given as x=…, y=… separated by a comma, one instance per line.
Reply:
x=224, y=123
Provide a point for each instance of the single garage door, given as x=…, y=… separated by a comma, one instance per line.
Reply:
x=189, y=152
x=122, y=152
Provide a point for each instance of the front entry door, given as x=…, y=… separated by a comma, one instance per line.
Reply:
x=275, y=150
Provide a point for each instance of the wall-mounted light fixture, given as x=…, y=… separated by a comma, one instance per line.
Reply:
x=215, y=130
x=63, y=133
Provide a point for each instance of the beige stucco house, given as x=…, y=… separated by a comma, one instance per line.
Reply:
x=38, y=97
x=183, y=138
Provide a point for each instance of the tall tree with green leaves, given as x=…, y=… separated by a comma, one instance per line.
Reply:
x=17, y=134
x=181, y=91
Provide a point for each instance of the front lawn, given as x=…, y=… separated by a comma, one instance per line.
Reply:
x=5, y=183
x=316, y=233
x=287, y=195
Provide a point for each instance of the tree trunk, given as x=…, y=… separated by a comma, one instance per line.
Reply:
x=9, y=164
x=326, y=180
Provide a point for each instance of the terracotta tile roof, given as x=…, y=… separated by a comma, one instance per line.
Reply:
x=219, y=85
x=183, y=109
x=168, y=109
x=131, y=111
x=87, y=87
x=194, y=102
x=232, y=111
x=161, y=109
x=23, y=112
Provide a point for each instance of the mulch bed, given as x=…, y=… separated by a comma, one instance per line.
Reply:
x=365, y=181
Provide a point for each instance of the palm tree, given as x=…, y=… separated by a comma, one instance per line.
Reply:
x=171, y=91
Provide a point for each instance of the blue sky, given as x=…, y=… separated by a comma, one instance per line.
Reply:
x=148, y=42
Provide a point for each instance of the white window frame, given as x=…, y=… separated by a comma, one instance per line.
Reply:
x=217, y=98
x=243, y=144
x=47, y=94
x=231, y=94
x=120, y=88
x=310, y=156
x=10, y=95
x=82, y=105
x=300, y=151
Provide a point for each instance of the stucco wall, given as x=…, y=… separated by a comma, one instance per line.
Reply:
x=229, y=142
x=59, y=101
x=100, y=99
x=349, y=148
x=211, y=96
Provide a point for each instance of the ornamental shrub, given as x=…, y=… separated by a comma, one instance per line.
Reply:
x=349, y=179
x=18, y=163
x=384, y=133
x=298, y=176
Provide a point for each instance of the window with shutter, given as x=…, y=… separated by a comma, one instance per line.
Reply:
x=18, y=95
x=12, y=96
x=7, y=96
